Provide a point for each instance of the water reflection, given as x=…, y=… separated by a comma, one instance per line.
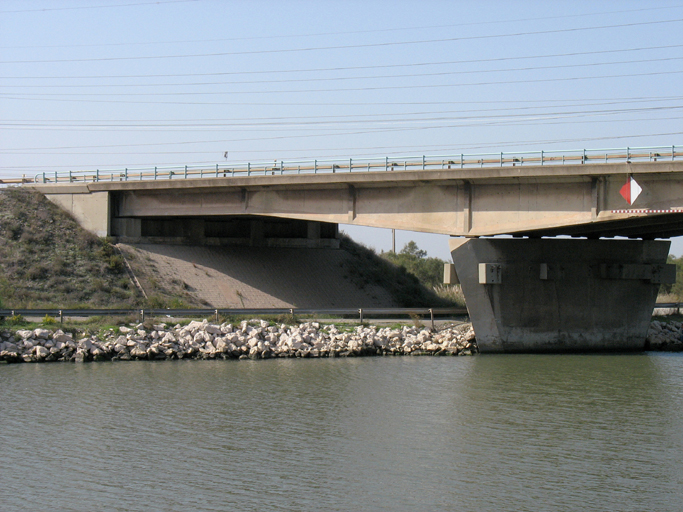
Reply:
x=483, y=433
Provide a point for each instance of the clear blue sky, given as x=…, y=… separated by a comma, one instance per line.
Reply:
x=126, y=83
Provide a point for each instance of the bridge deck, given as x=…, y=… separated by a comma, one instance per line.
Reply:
x=576, y=195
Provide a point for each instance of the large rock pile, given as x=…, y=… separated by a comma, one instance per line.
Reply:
x=255, y=339
x=665, y=336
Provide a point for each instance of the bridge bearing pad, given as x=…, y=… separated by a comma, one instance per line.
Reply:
x=561, y=295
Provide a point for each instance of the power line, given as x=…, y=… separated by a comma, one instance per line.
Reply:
x=327, y=34
x=454, y=148
x=80, y=7
x=318, y=133
x=25, y=96
x=344, y=78
x=346, y=47
x=346, y=68
x=500, y=110
x=335, y=122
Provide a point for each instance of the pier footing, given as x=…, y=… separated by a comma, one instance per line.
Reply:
x=560, y=295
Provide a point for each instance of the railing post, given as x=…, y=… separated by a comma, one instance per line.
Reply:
x=315, y=166
x=216, y=170
x=216, y=311
x=248, y=169
x=431, y=314
x=583, y=158
x=125, y=174
x=97, y=175
x=142, y=315
x=61, y=317
x=44, y=174
x=542, y=158
x=386, y=163
x=501, y=159
x=628, y=154
x=350, y=164
x=70, y=177
x=155, y=172
x=462, y=160
x=360, y=312
x=673, y=153
x=424, y=162
x=282, y=167
x=185, y=175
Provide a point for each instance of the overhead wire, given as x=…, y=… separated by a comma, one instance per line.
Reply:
x=454, y=148
x=344, y=78
x=499, y=110
x=79, y=7
x=294, y=123
x=351, y=68
x=327, y=34
x=346, y=47
x=58, y=95
x=318, y=133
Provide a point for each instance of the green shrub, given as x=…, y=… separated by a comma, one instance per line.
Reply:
x=37, y=272
x=155, y=302
x=16, y=320
x=429, y=271
x=48, y=320
x=177, y=303
x=116, y=264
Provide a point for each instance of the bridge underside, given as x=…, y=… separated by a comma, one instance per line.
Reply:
x=245, y=230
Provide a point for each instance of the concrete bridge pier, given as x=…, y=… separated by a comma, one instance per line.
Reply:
x=561, y=295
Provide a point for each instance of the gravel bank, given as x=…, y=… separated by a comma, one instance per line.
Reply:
x=255, y=339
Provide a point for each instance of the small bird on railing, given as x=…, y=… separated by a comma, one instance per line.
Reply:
x=225, y=155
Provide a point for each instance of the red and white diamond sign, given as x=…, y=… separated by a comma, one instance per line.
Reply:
x=631, y=190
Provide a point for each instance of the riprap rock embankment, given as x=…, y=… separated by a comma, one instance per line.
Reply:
x=254, y=340
x=665, y=336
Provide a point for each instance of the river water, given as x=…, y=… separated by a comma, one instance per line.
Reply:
x=485, y=433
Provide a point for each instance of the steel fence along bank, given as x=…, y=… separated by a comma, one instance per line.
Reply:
x=361, y=313
x=397, y=163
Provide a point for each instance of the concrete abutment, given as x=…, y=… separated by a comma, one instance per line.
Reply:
x=561, y=295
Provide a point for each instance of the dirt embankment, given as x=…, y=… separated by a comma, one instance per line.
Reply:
x=48, y=260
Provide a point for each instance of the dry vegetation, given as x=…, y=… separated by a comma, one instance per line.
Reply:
x=48, y=260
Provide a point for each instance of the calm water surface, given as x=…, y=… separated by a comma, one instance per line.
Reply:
x=484, y=433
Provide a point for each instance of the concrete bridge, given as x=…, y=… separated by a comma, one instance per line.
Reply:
x=525, y=293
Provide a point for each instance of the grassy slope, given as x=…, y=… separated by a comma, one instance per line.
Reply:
x=48, y=260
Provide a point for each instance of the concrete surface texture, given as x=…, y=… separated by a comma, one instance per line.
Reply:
x=262, y=277
x=561, y=295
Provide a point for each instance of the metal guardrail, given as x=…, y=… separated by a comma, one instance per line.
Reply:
x=362, y=313
x=142, y=313
x=403, y=163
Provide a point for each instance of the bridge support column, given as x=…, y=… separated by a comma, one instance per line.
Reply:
x=560, y=295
